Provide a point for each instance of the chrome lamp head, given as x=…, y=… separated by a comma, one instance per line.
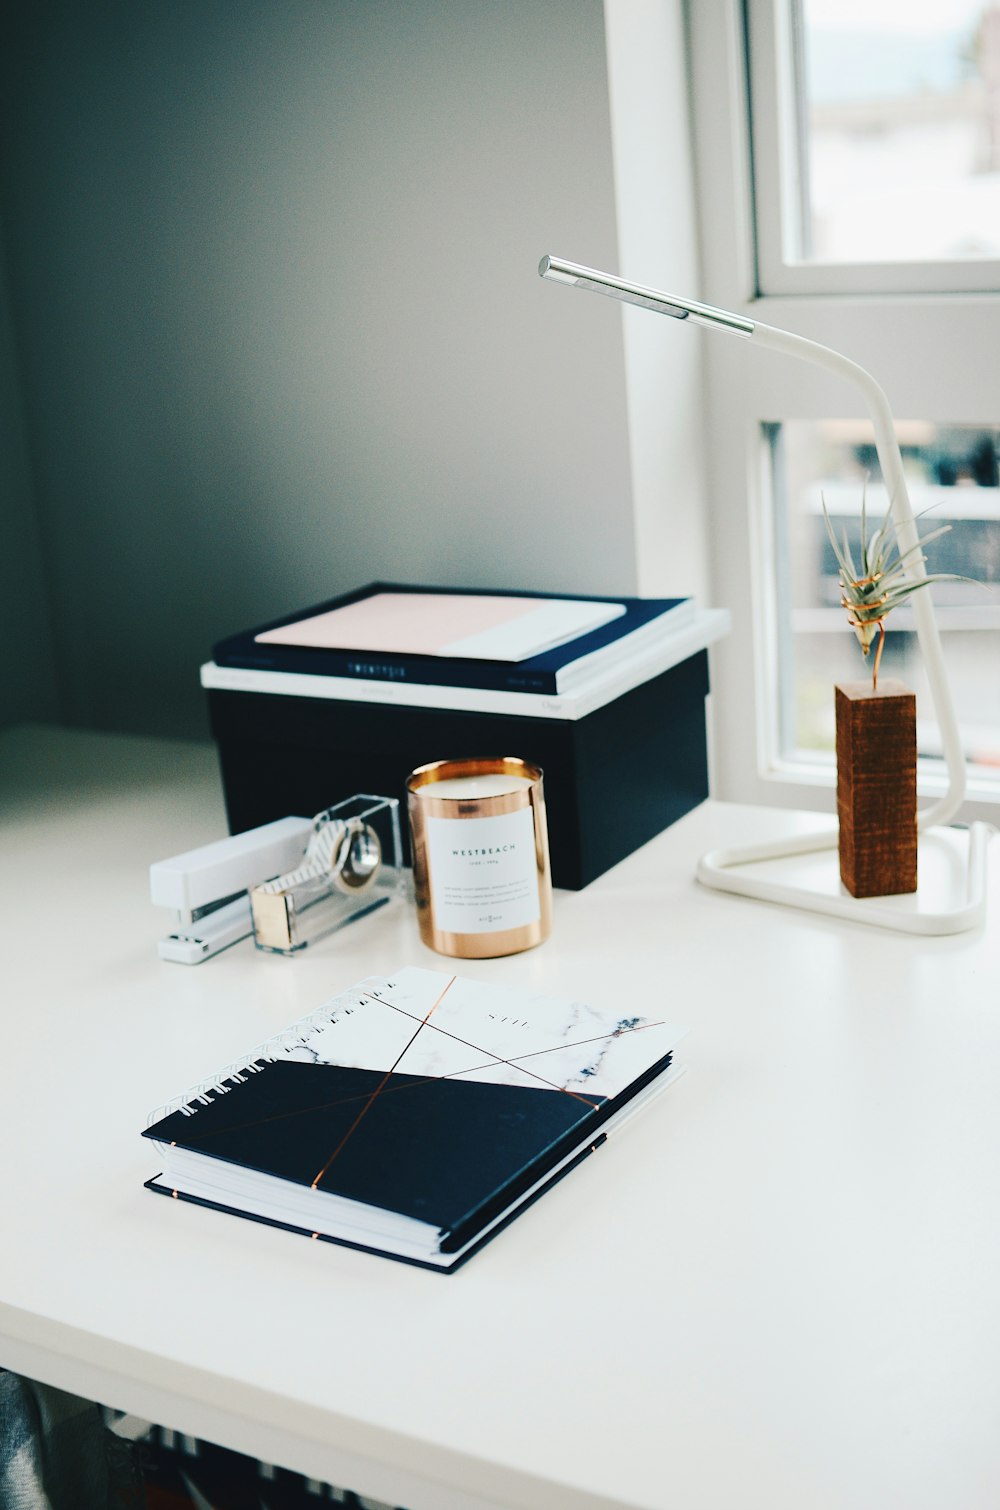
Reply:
x=645, y=298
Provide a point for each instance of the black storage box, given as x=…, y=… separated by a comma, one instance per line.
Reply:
x=613, y=778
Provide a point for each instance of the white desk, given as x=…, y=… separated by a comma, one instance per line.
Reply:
x=778, y=1289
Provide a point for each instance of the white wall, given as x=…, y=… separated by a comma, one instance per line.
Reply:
x=654, y=197
x=274, y=273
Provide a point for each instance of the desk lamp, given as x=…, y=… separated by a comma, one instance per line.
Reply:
x=721, y=868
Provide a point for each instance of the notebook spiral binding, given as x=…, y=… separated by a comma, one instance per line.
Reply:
x=205, y=1091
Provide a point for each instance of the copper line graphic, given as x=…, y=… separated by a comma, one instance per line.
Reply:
x=497, y=1058
x=511, y=1063
x=378, y=1089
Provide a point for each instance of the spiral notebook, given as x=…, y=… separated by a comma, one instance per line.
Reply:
x=414, y=1115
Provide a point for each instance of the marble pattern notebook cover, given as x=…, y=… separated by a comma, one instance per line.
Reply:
x=413, y=1115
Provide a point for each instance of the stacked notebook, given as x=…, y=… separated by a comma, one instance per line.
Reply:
x=414, y=1115
x=530, y=654
x=519, y=642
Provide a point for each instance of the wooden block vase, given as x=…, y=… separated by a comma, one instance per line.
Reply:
x=877, y=788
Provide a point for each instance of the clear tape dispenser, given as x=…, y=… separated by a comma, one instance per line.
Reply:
x=352, y=864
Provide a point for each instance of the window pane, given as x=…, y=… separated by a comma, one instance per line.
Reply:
x=901, y=108
x=952, y=471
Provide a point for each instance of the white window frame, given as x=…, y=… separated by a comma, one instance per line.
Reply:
x=936, y=355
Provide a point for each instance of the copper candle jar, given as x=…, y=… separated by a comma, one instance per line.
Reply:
x=480, y=856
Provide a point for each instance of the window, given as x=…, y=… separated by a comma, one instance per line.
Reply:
x=798, y=232
x=883, y=144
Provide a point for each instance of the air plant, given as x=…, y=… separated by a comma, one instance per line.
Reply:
x=883, y=581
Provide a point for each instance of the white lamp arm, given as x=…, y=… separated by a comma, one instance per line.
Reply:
x=732, y=870
x=888, y=454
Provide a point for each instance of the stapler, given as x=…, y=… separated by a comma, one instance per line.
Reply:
x=208, y=888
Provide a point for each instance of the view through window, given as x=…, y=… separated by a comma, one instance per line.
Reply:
x=899, y=110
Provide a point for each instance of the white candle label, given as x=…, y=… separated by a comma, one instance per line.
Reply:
x=483, y=872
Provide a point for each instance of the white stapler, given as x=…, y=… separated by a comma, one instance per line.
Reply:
x=207, y=887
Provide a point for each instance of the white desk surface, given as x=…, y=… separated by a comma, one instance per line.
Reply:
x=778, y=1289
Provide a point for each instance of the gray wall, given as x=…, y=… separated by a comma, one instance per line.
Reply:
x=272, y=268
x=27, y=665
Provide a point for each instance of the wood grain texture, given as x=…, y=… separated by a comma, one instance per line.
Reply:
x=877, y=788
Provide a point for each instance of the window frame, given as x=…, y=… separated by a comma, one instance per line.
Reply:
x=916, y=344
x=773, y=31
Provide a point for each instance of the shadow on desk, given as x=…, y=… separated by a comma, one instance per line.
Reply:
x=58, y=1452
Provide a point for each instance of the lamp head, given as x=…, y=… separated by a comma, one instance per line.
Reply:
x=645, y=298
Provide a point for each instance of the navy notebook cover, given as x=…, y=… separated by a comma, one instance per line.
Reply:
x=549, y=671
x=421, y=1096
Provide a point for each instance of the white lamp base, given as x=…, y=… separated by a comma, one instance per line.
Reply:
x=804, y=872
